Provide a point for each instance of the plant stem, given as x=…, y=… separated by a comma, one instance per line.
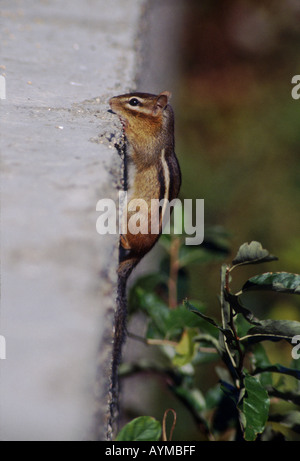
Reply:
x=229, y=316
x=174, y=268
x=164, y=437
x=225, y=313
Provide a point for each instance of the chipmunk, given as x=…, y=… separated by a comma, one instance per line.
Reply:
x=153, y=172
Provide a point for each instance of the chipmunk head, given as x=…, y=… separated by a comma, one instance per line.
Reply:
x=147, y=119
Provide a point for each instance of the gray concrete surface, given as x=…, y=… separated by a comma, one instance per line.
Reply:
x=62, y=60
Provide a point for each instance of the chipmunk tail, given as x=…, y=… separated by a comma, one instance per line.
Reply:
x=126, y=267
x=124, y=271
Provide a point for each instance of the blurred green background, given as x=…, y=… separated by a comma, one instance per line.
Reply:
x=238, y=129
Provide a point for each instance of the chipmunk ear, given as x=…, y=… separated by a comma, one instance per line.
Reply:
x=161, y=101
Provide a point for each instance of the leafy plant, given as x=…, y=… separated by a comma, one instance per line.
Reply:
x=140, y=429
x=238, y=408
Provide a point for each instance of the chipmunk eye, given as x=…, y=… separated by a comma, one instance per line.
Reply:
x=134, y=102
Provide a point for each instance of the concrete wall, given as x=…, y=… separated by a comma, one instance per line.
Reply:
x=62, y=60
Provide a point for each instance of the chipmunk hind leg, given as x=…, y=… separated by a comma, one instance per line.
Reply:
x=127, y=266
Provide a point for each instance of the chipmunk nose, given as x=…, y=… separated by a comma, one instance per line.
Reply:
x=111, y=111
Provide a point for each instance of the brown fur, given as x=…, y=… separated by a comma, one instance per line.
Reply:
x=149, y=128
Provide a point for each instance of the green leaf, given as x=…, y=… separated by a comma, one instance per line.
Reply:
x=255, y=408
x=181, y=318
x=157, y=310
x=164, y=322
x=242, y=326
x=273, y=330
x=203, y=316
x=226, y=332
x=260, y=358
x=147, y=284
x=141, y=429
x=252, y=253
x=238, y=307
x=185, y=349
x=261, y=361
x=283, y=282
